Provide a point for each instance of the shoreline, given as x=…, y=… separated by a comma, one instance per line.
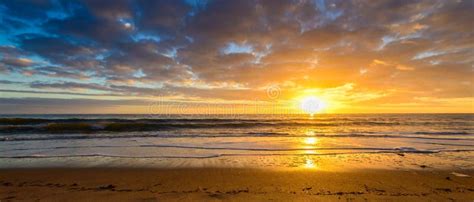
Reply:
x=235, y=184
x=310, y=160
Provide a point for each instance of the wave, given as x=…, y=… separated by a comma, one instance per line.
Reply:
x=400, y=149
x=449, y=144
x=442, y=133
x=229, y=135
x=34, y=125
x=221, y=155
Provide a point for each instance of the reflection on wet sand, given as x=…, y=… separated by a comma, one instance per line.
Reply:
x=310, y=143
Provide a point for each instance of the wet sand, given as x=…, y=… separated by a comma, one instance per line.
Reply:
x=232, y=184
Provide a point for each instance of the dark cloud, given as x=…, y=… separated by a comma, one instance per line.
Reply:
x=146, y=56
x=162, y=17
x=110, y=9
x=85, y=26
x=61, y=51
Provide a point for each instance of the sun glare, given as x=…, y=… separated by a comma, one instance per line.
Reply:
x=310, y=140
x=312, y=105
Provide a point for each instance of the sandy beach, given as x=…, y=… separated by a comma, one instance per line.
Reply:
x=390, y=158
x=215, y=184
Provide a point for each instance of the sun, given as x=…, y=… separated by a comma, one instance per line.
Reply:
x=312, y=105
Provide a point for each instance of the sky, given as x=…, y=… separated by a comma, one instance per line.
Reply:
x=245, y=56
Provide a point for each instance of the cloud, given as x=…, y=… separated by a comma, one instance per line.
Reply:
x=69, y=85
x=13, y=59
x=397, y=66
x=10, y=82
x=404, y=68
x=18, y=62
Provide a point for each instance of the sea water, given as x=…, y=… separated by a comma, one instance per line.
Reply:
x=163, y=140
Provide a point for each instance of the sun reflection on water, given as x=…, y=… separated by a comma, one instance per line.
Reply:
x=310, y=133
x=310, y=152
x=309, y=144
x=309, y=163
x=310, y=140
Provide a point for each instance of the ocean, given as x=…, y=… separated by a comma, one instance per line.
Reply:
x=155, y=140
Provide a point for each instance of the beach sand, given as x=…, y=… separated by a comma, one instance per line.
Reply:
x=232, y=184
